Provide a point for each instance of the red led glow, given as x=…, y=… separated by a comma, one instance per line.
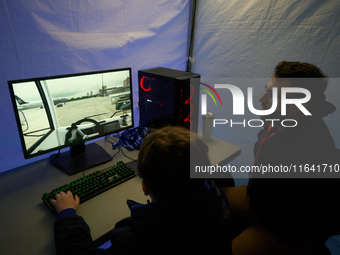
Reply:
x=191, y=106
x=142, y=85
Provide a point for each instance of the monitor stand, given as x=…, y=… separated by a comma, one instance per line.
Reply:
x=80, y=157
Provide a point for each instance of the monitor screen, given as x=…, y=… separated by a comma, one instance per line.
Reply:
x=62, y=111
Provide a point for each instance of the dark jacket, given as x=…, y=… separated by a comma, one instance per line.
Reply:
x=199, y=224
x=298, y=205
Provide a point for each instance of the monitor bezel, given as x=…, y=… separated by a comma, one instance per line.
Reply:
x=26, y=150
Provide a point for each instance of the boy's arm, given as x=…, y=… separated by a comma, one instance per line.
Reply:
x=71, y=233
x=239, y=202
x=72, y=236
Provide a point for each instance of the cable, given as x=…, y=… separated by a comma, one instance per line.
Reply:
x=114, y=135
x=56, y=155
x=119, y=150
x=128, y=156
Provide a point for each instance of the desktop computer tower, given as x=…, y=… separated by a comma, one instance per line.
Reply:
x=168, y=97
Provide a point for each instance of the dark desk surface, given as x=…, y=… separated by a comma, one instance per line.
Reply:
x=26, y=222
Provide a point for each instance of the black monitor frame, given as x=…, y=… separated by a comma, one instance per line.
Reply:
x=79, y=131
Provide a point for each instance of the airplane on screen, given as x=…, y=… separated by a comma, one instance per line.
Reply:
x=27, y=105
x=38, y=104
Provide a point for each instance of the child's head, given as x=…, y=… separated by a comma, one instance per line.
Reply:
x=164, y=162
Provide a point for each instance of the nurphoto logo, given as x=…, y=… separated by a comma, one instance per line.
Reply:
x=238, y=104
x=204, y=98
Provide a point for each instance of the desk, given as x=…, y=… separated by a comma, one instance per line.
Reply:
x=26, y=222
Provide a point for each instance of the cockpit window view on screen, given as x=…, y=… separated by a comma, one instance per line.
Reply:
x=62, y=111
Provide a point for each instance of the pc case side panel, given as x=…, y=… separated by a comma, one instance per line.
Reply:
x=158, y=103
x=194, y=102
x=167, y=100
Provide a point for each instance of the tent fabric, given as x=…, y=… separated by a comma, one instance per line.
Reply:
x=233, y=39
x=43, y=38
x=242, y=38
x=241, y=41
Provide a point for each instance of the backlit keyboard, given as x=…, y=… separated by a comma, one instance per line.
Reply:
x=93, y=184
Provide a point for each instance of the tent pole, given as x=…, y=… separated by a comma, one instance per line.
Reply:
x=191, y=32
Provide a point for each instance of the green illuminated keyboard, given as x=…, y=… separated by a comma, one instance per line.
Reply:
x=93, y=184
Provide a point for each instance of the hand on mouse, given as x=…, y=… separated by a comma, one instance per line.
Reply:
x=64, y=201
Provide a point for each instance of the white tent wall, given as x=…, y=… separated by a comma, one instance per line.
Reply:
x=42, y=38
x=240, y=42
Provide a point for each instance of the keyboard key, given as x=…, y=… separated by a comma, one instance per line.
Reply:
x=93, y=184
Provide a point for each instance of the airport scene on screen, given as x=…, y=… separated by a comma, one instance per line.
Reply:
x=61, y=111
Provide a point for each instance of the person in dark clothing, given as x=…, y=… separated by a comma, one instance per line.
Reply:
x=308, y=144
x=186, y=216
x=292, y=213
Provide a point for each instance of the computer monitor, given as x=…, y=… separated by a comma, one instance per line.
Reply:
x=66, y=111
